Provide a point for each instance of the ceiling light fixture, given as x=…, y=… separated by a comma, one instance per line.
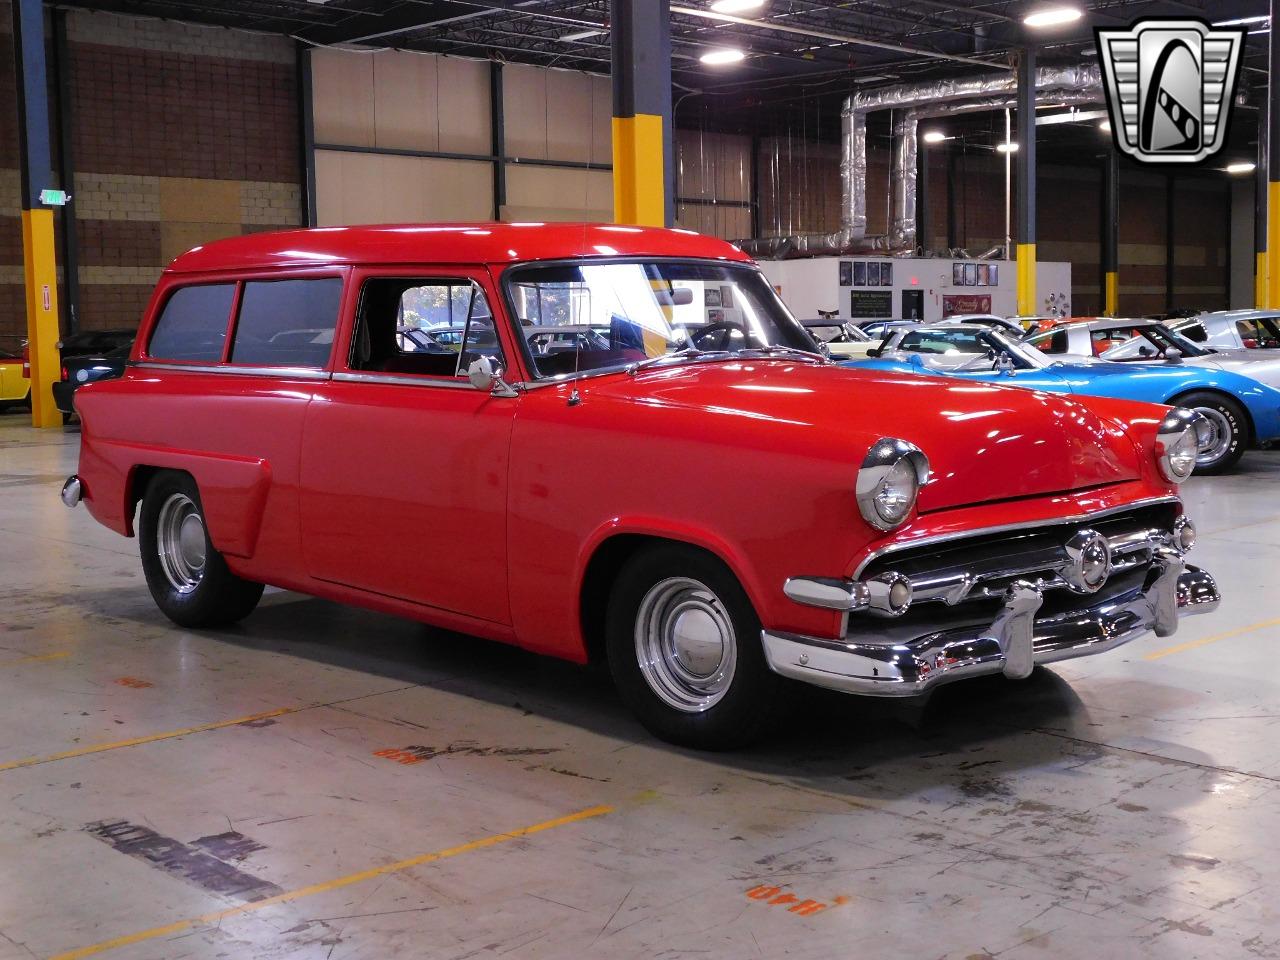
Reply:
x=934, y=136
x=1105, y=126
x=580, y=35
x=1007, y=147
x=1241, y=21
x=1052, y=17
x=722, y=56
x=736, y=6
x=1241, y=166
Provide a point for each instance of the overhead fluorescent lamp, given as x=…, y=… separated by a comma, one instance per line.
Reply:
x=736, y=6
x=1071, y=116
x=580, y=35
x=1105, y=126
x=1052, y=17
x=1007, y=147
x=934, y=136
x=1243, y=166
x=722, y=56
x=1241, y=21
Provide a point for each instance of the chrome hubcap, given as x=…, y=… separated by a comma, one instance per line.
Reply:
x=1219, y=436
x=180, y=542
x=685, y=644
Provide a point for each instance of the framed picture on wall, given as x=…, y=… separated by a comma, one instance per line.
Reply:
x=711, y=297
x=957, y=274
x=860, y=273
x=726, y=297
x=886, y=274
x=846, y=273
x=970, y=274
x=993, y=274
x=715, y=316
x=873, y=274
x=982, y=275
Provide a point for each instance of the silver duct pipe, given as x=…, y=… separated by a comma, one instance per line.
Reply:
x=1073, y=84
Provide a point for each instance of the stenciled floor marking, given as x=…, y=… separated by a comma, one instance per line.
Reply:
x=1204, y=642
x=149, y=738
x=37, y=658
x=216, y=916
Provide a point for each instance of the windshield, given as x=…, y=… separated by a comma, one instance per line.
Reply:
x=1150, y=342
x=591, y=316
x=974, y=349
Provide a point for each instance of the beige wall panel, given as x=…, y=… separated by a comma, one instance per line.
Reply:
x=177, y=238
x=524, y=91
x=342, y=97
x=404, y=101
x=464, y=106
x=569, y=120
x=713, y=166
x=558, y=193
x=727, y=223
x=199, y=201
x=366, y=188
x=601, y=119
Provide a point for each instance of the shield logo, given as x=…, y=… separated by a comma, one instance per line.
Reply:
x=1170, y=85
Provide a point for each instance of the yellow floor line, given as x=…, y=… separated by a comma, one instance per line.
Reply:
x=150, y=738
x=351, y=878
x=37, y=658
x=1194, y=644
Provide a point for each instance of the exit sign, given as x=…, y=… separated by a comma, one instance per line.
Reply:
x=54, y=198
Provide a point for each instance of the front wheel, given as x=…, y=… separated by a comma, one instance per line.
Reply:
x=189, y=580
x=1228, y=430
x=684, y=649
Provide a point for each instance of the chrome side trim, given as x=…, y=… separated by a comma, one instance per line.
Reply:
x=1007, y=528
x=284, y=373
x=925, y=655
x=404, y=380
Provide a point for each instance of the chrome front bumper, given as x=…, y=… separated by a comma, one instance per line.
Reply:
x=902, y=659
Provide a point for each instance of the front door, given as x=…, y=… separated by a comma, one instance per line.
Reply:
x=912, y=304
x=404, y=463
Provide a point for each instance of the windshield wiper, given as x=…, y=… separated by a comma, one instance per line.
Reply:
x=789, y=351
x=684, y=353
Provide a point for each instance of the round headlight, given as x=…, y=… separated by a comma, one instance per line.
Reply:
x=889, y=481
x=1178, y=444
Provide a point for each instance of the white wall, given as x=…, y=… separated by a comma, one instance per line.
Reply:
x=808, y=286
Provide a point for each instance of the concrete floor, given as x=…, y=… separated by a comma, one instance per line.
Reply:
x=322, y=782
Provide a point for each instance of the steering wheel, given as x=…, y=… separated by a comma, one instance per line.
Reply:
x=725, y=329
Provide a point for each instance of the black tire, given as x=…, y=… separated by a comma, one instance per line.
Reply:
x=743, y=707
x=213, y=595
x=1225, y=414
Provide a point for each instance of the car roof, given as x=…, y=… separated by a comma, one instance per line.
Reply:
x=1105, y=323
x=1247, y=313
x=449, y=243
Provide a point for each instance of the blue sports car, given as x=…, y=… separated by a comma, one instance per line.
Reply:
x=1239, y=411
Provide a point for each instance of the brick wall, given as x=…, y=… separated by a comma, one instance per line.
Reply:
x=180, y=134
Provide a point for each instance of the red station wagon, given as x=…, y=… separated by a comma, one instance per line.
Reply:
x=615, y=443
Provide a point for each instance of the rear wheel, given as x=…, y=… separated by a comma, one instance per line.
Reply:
x=1228, y=429
x=684, y=649
x=188, y=578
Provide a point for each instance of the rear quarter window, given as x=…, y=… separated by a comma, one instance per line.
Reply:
x=287, y=323
x=193, y=324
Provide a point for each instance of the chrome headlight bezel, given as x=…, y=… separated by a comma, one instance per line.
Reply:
x=887, y=461
x=1179, y=429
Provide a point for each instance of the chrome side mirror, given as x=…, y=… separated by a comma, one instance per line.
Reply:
x=1173, y=355
x=1004, y=363
x=484, y=374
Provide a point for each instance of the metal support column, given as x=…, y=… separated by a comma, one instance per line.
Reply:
x=1111, y=234
x=306, y=116
x=40, y=273
x=1273, y=160
x=953, y=202
x=1260, y=175
x=922, y=199
x=640, y=31
x=1170, y=191
x=1027, y=305
x=497, y=114
x=66, y=176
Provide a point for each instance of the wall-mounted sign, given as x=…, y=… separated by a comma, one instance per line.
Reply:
x=869, y=304
x=966, y=303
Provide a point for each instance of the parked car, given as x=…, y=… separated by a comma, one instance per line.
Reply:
x=1232, y=329
x=85, y=343
x=986, y=320
x=1238, y=412
x=841, y=338
x=15, y=373
x=879, y=329
x=79, y=370
x=621, y=502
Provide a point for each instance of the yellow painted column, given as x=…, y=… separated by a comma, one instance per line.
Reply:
x=1260, y=281
x=1272, y=257
x=639, y=174
x=1112, y=308
x=1027, y=280
x=41, y=279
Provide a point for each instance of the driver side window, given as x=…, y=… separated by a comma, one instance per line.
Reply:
x=423, y=327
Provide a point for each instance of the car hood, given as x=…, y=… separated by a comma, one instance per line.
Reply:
x=984, y=442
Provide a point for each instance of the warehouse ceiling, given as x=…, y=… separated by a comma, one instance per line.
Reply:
x=803, y=56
